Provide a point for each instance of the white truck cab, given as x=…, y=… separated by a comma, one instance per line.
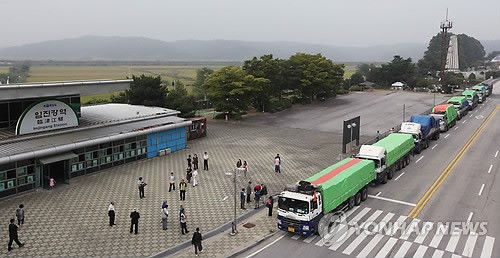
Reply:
x=414, y=129
x=375, y=153
x=299, y=212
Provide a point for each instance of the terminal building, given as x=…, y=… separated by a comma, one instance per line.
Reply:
x=46, y=133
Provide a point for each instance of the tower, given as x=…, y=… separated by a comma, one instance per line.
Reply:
x=445, y=26
x=452, y=64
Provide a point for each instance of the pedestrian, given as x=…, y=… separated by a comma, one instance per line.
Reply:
x=263, y=192
x=13, y=235
x=245, y=167
x=242, y=198
x=141, y=185
x=111, y=214
x=189, y=175
x=172, y=182
x=195, y=178
x=277, y=164
x=249, y=191
x=392, y=130
x=183, y=220
x=378, y=135
x=269, y=205
x=257, y=199
x=205, y=161
x=20, y=215
x=238, y=163
x=189, y=161
x=52, y=183
x=195, y=161
x=196, y=241
x=182, y=188
x=134, y=216
x=164, y=215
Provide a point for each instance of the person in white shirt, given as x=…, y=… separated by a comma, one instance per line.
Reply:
x=172, y=182
x=111, y=214
x=164, y=215
x=195, y=178
x=205, y=161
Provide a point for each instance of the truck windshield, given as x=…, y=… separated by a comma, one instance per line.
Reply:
x=293, y=205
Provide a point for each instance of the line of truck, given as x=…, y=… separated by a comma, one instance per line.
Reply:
x=344, y=185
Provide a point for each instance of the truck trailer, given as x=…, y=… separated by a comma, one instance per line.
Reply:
x=461, y=105
x=423, y=129
x=447, y=114
x=338, y=187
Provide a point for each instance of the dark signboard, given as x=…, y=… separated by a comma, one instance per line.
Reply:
x=350, y=132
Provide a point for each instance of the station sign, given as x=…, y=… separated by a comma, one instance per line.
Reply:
x=45, y=116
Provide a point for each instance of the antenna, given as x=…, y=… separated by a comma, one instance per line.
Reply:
x=445, y=26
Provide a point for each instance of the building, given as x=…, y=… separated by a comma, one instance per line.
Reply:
x=45, y=133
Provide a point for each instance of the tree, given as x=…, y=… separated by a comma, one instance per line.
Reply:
x=399, y=69
x=179, y=99
x=199, y=88
x=357, y=78
x=144, y=90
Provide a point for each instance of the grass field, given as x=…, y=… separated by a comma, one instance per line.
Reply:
x=4, y=69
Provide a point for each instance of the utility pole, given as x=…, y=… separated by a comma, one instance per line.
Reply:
x=445, y=26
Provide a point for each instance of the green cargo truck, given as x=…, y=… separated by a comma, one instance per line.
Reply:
x=389, y=154
x=338, y=187
x=447, y=114
x=472, y=97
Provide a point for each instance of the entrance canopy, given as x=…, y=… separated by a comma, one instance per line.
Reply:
x=58, y=157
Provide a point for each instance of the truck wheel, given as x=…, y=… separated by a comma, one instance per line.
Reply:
x=350, y=202
x=357, y=200
x=391, y=174
x=364, y=194
x=384, y=179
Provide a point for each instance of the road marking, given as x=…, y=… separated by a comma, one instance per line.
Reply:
x=488, y=247
x=470, y=217
x=481, y=190
x=396, y=225
x=438, y=236
x=469, y=245
x=358, y=216
x=378, y=193
x=479, y=117
x=392, y=200
x=384, y=221
x=371, y=219
x=496, y=154
x=295, y=237
x=396, y=179
x=438, y=254
x=388, y=247
x=465, y=120
x=346, y=236
x=434, y=146
x=412, y=228
x=420, y=251
x=457, y=256
x=476, y=110
x=452, y=244
x=268, y=245
x=437, y=183
x=403, y=249
x=423, y=232
x=446, y=136
x=469, y=116
x=310, y=239
x=421, y=157
x=489, y=170
x=456, y=127
x=355, y=243
x=480, y=107
x=369, y=247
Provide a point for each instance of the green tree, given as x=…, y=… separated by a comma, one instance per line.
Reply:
x=399, y=69
x=357, y=78
x=199, y=89
x=179, y=99
x=144, y=90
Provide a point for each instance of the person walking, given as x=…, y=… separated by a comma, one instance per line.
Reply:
x=183, y=219
x=134, y=216
x=141, y=185
x=111, y=214
x=13, y=237
x=164, y=215
x=249, y=191
x=263, y=192
x=189, y=175
x=189, y=161
x=269, y=205
x=378, y=135
x=242, y=198
x=52, y=183
x=20, y=215
x=245, y=167
x=238, y=163
x=182, y=188
x=195, y=178
x=172, y=182
x=195, y=162
x=257, y=199
x=196, y=241
x=277, y=164
x=205, y=161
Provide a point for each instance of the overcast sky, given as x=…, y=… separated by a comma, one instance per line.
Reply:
x=332, y=22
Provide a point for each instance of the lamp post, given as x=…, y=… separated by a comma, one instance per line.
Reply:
x=234, y=231
x=351, y=127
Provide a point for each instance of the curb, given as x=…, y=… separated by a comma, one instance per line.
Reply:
x=252, y=245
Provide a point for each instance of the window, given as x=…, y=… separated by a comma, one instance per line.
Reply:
x=11, y=174
x=21, y=181
x=11, y=184
x=74, y=167
x=30, y=179
x=21, y=171
x=2, y=186
x=2, y=176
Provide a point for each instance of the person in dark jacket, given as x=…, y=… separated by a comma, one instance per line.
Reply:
x=195, y=162
x=196, y=241
x=13, y=235
x=242, y=198
x=134, y=216
x=269, y=205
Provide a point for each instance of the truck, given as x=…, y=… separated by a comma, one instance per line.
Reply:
x=472, y=97
x=423, y=129
x=461, y=105
x=340, y=186
x=447, y=114
x=481, y=92
x=389, y=154
x=489, y=87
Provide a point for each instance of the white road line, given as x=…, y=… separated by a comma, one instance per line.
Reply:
x=423, y=232
x=268, y=245
x=469, y=116
x=456, y=128
x=420, y=251
x=469, y=245
x=438, y=236
x=328, y=237
x=496, y=154
x=412, y=228
x=434, y=146
x=470, y=217
x=438, y=254
x=488, y=247
x=465, y=120
x=403, y=249
x=310, y=238
x=396, y=226
x=402, y=173
x=392, y=200
x=458, y=256
x=347, y=235
x=355, y=243
x=446, y=136
x=480, y=107
x=388, y=247
x=378, y=193
x=481, y=190
x=369, y=247
x=358, y=216
x=420, y=158
x=371, y=219
x=452, y=243
x=384, y=222
x=476, y=110
x=489, y=170
x=295, y=237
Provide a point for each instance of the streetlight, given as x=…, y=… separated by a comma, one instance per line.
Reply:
x=351, y=127
x=234, y=231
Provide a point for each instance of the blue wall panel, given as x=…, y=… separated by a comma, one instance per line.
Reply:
x=175, y=139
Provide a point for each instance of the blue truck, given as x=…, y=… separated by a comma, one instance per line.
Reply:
x=423, y=129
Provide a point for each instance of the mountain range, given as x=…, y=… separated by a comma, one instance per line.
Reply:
x=114, y=48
